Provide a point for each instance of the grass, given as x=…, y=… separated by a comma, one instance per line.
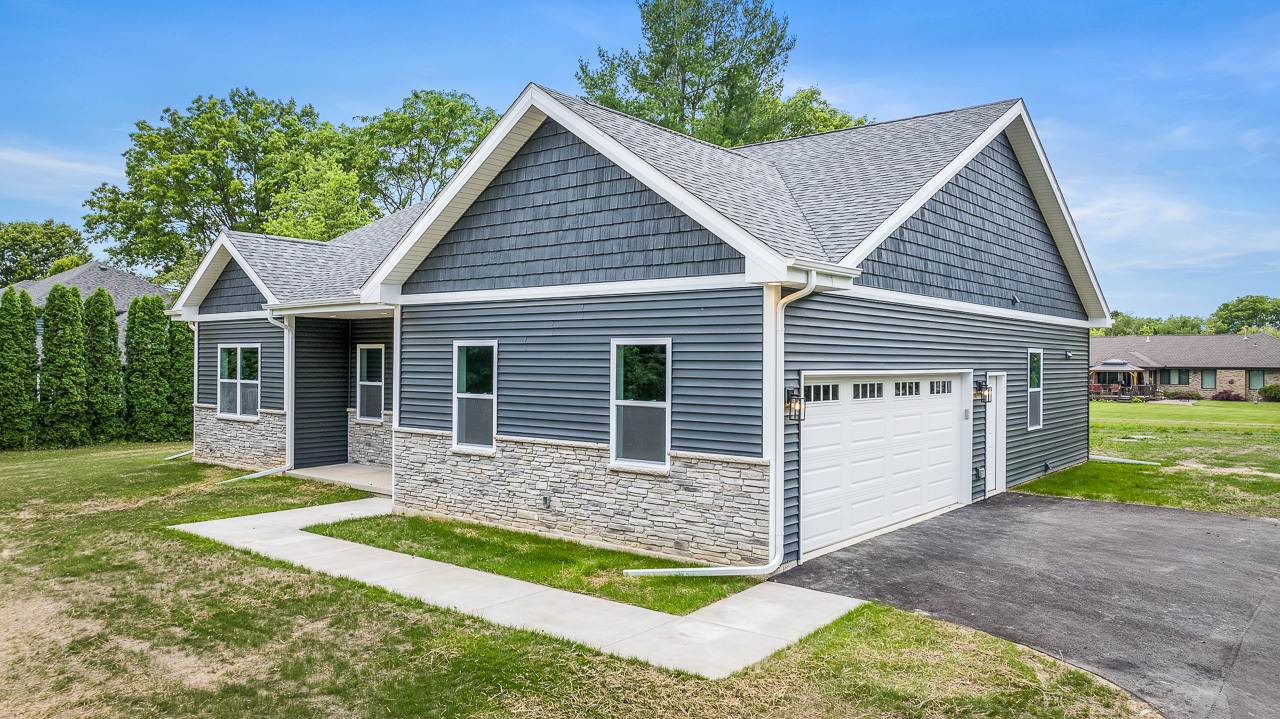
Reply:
x=105, y=613
x=555, y=562
x=1215, y=456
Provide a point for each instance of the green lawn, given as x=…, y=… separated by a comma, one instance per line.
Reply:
x=555, y=562
x=1216, y=456
x=105, y=613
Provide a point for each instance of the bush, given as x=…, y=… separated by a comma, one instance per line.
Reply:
x=1270, y=393
x=1227, y=395
x=181, y=368
x=64, y=421
x=17, y=374
x=1182, y=394
x=146, y=370
x=103, y=385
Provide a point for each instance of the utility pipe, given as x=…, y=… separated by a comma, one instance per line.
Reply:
x=182, y=454
x=775, y=466
x=255, y=475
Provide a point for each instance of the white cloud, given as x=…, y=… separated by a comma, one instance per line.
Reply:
x=51, y=176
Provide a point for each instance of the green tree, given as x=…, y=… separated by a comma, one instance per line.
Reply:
x=17, y=390
x=62, y=370
x=146, y=370
x=1251, y=312
x=181, y=380
x=712, y=69
x=29, y=249
x=29, y=341
x=324, y=200
x=70, y=262
x=104, y=391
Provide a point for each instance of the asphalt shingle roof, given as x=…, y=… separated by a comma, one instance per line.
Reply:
x=122, y=285
x=1254, y=351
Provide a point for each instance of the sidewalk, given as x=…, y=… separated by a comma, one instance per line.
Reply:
x=714, y=641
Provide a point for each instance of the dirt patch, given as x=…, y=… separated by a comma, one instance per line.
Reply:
x=1191, y=464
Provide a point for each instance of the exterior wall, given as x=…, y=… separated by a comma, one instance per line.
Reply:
x=369, y=441
x=321, y=351
x=832, y=332
x=270, y=362
x=553, y=364
x=980, y=239
x=708, y=508
x=233, y=291
x=1241, y=384
x=374, y=332
x=246, y=444
x=562, y=213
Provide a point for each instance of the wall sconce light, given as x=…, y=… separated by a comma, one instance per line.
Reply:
x=795, y=405
x=982, y=391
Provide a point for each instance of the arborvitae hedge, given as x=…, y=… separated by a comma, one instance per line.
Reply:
x=27, y=340
x=146, y=378
x=17, y=392
x=181, y=371
x=104, y=388
x=62, y=373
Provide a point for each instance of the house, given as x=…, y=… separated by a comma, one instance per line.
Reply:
x=1204, y=364
x=88, y=277
x=605, y=330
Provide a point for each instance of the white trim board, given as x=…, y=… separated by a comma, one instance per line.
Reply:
x=594, y=289
x=210, y=269
x=973, y=308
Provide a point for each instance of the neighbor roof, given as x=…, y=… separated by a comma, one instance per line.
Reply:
x=1253, y=351
x=88, y=277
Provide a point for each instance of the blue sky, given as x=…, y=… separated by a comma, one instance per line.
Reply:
x=1161, y=120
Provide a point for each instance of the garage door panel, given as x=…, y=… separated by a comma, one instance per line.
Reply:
x=907, y=426
x=823, y=482
x=822, y=436
x=867, y=472
x=864, y=432
x=865, y=515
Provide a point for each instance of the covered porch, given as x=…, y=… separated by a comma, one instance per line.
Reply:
x=376, y=480
x=1117, y=379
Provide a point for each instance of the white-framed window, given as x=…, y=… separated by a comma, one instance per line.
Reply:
x=868, y=390
x=640, y=400
x=370, y=369
x=475, y=392
x=906, y=389
x=238, y=380
x=940, y=386
x=1035, y=388
x=822, y=393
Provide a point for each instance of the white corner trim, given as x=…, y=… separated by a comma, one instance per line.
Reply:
x=973, y=308
x=629, y=287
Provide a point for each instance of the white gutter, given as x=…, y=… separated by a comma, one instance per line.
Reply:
x=288, y=396
x=775, y=466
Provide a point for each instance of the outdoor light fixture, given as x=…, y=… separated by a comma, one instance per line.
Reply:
x=795, y=405
x=982, y=391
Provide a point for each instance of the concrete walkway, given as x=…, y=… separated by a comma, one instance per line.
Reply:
x=714, y=641
x=357, y=476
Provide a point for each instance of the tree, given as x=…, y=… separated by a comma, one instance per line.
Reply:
x=146, y=370
x=70, y=262
x=62, y=370
x=1252, y=312
x=181, y=380
x=104, y=398
x=712, y=69
x=1126, y=324
x=17, y=390
x=323, y=201
x=29, y=249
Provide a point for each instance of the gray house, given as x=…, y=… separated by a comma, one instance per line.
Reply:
x=605, y=330
x=87, y=278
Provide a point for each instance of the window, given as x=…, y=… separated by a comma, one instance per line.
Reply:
x=1208, y=379
x=822, y=393
x=1035, y=389
x=641, y=401
x=238, y=381
x=369, y=381
x=906, y=389
x=868, y=390
x=1175, y=376
x=1256, y=379
x=474, y=385
x=940, y=386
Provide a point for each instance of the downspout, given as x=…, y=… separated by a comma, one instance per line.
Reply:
x=775, y=466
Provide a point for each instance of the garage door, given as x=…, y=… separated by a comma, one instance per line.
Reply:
x=876, y=451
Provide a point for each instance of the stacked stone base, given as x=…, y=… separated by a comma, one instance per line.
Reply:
x=709, y=508
x=369, y=442
x=244, y=444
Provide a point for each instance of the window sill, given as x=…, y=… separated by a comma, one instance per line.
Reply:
x=474, y=451
x=654, y=470
x=367, y=420
x=237, y=418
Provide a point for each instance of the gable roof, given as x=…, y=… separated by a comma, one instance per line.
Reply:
x=1253, y=351
x=123, y=286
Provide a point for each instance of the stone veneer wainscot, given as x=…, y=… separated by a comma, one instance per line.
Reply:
x=369, y=441
x=242, y=443
x=711, y=508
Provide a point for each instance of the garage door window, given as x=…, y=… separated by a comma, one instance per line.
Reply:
x=940, y=387
x=641, y=399
x=822, y=393
x=868, y=390
x=906, y=389
x=1035, y=389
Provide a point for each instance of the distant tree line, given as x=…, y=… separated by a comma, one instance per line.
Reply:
x=66, y=386
x=1253, y=313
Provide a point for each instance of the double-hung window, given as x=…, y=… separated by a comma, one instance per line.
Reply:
x=640, y=405
x=475, y=384
x=1175, y=376
x=238, y=380
x=1208, y=379
x=1035, y=389
x=369, y=381
x=1257, y=378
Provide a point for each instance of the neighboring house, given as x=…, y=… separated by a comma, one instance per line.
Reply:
x=1191, y=363
x=123, y=287
x=599, y=327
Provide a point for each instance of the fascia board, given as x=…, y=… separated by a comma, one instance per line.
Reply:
x=206, y=273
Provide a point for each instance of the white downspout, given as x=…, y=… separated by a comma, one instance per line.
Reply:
x=288, y=390
x=775, y=466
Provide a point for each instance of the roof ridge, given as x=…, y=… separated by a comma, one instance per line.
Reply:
x=880, y=124
x=299, y=240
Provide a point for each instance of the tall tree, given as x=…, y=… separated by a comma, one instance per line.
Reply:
x=29, y=249
x=17, y=392
x=324, y=200
x=146, y=371
x=1251, y=312
x=28, y=340
x=104, y=391
x=181, y=380
x=712, y=69
x=62, y=370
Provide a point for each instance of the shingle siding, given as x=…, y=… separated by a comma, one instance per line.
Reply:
x=829, y=333
x=553, y=364
x=242, y=332
x=233, y=291
x=980, y=239
x=321, y=357
x=562, y=213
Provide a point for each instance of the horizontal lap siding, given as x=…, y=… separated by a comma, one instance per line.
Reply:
x=271, y=362
x=553, y=364
x=233, y=291
x=829, y=333
x=374, y=332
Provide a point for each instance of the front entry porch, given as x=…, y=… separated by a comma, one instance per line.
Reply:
x=376, y=480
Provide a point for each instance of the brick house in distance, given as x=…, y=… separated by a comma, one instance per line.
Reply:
x=1206, y=364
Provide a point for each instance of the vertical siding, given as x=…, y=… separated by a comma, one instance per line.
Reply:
x=233, y=291
x=321, y=359
x=271, y=361
x=373, y=332
x=980, y=239
x=562, y=213
x=553, y=363
x=828, y=332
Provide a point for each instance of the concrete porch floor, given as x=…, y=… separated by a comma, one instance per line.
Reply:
x=357, y=476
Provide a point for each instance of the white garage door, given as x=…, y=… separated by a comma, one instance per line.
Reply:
x=876, y=451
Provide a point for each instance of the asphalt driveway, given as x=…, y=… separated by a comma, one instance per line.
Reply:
x=1180, y=608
